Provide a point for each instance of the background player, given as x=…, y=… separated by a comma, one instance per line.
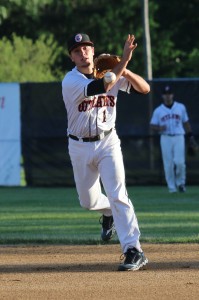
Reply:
x=94, y=146
x=170, y=119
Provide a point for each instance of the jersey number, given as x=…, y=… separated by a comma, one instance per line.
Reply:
x=104, y=116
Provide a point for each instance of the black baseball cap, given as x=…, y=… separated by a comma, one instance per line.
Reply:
x=167, y=90
x=77, y=40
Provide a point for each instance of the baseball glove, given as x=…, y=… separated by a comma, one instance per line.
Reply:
x=193, y=147
x=105, y=63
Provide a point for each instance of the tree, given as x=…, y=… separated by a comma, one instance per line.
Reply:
x=173, y=29
x=175, y=38
x=22, y=60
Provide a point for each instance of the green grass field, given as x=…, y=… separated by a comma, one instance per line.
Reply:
x=54, y=216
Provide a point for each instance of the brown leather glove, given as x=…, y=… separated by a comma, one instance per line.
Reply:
x=105, y=63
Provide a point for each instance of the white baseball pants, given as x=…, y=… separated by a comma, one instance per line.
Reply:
x=173, y=155
x=103, y=159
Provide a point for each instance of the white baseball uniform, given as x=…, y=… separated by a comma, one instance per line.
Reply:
x=101, y=159
x=172, y=142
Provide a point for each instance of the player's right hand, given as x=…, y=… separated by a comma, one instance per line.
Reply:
x=129, y=47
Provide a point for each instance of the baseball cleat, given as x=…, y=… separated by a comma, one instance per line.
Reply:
x=182, y=188
x=133, y=260
x=108, y=228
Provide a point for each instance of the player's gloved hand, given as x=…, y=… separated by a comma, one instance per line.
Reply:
x=193, y=146
x=104, y=63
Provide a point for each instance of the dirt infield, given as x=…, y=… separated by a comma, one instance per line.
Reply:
x=90, y=272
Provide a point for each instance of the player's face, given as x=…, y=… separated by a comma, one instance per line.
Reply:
x=82, y=56
x=167, y=98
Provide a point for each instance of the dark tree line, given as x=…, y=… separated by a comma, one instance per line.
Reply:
x=173, y=29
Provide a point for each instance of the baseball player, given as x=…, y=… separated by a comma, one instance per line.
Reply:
x=94, y=146
x=171, y=121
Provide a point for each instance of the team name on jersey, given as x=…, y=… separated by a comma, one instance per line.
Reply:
x=170, y=116
x=97, y=101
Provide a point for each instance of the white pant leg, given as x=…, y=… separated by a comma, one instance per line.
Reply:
x=86, y=177
x=112, y=173
x=166, y=143
x=179, y=159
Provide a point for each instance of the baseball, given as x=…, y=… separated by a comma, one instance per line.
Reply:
x=109, y=77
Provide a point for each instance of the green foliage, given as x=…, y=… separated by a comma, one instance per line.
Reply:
x=3, y=13
x=175, y=38
x=173, y=29
x=53, y=215
x=193, y=62
x=23, y=60
x=168, y=64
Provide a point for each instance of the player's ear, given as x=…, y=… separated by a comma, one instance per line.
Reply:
x=71, y=57
x=93, y=50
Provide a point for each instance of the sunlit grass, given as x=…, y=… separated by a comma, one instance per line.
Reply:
x=53, y=215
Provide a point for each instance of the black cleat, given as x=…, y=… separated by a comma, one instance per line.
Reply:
x=108, y=228
x=182, y=188
x=134, y=260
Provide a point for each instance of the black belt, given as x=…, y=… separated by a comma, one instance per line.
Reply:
x=92, y=138
x=170, y=134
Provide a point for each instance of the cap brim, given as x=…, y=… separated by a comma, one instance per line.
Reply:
x=80, y=44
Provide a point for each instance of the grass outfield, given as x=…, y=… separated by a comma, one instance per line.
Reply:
x=54, y=216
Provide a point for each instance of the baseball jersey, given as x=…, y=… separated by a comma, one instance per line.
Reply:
x=89, y=115
x=173, y=118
